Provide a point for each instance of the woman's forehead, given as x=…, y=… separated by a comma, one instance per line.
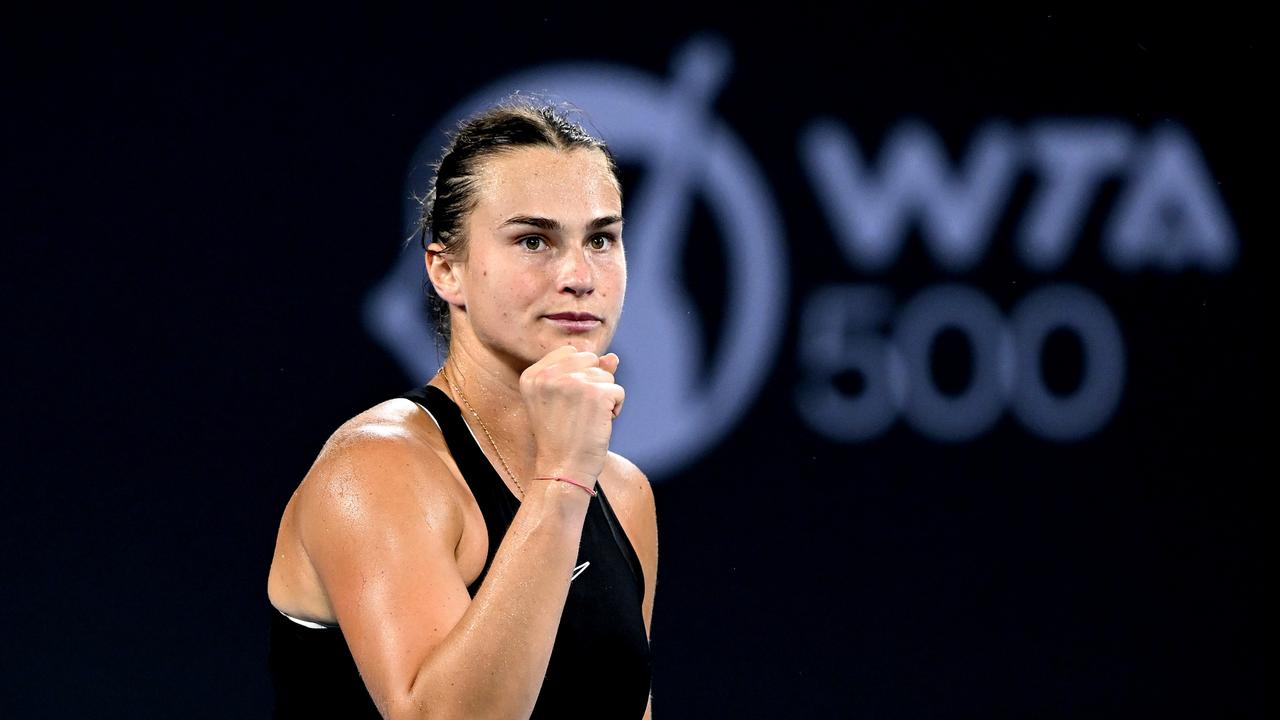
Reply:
x=568, y=185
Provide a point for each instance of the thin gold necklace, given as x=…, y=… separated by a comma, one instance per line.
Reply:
x=485, y=428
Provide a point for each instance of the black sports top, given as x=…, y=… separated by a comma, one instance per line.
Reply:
x=600, y=664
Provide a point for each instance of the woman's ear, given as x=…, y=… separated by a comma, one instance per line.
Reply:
x=443, y=270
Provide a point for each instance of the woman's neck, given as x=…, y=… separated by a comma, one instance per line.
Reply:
x=487, y=390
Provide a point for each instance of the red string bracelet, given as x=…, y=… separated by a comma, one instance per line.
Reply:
x=590, y=491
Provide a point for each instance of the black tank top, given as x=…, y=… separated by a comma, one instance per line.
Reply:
x=600, y=664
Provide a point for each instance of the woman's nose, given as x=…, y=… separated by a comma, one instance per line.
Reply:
x=576, y=274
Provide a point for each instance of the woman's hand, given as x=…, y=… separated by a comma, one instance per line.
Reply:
x=572, y=399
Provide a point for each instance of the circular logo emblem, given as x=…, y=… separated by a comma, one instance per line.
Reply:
x=678, y=404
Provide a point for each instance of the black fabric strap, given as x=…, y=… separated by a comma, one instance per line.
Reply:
x=483, y=479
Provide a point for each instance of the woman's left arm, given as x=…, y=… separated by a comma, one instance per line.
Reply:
x=648, y=562
x=639, y=517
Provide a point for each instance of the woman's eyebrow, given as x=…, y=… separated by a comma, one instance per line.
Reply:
x=605, y=221
x=538, y=222
x=554, y=225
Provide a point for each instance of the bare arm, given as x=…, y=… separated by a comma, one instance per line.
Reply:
x=381, y=530
x=424, y=648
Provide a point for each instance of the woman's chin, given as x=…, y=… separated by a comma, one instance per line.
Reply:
x=596, y=342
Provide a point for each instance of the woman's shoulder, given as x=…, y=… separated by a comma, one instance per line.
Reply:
x=398, y=422
x=626, y=472
x=627, y=488
x=388, y=457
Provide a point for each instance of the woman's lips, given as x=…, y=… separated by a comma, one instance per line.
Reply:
x=575, y=322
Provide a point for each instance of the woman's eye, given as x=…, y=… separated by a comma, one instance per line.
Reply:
x=533, y=242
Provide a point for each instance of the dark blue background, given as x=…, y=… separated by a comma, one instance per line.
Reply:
x=196, y=205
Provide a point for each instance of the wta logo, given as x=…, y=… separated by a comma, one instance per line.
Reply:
x=865, y=353
x=682, y=397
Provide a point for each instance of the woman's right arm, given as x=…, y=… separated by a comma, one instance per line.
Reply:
x=385, y=555
x=381, y=531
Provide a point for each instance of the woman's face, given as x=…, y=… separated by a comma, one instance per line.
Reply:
x=544, y=265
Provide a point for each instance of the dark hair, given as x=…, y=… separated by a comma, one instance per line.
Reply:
x=514, y=123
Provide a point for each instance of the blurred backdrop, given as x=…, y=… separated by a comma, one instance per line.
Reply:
x=941, y=343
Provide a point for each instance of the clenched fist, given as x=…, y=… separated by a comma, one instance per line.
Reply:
x=572, y=399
